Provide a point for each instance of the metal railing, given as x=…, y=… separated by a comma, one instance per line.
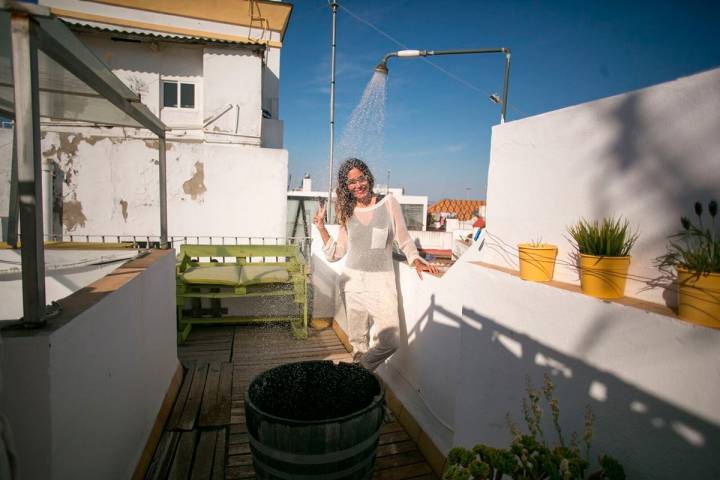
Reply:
x=153, y=241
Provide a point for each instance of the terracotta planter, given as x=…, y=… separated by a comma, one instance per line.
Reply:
x=537, y=262
x=699, y=297
x=603, y=277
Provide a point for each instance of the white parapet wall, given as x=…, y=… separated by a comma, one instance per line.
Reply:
x=472, y=339
x=82, y=394
x=647, y=155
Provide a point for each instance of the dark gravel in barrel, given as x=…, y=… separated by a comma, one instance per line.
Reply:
x=319, y=390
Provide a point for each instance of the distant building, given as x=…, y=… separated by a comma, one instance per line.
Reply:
x=212, y=76
x=304, y=203
x=463, y=210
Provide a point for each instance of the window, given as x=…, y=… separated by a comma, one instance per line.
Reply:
x=177, y=94
x=413, y=215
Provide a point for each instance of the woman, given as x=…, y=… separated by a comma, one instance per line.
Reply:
x=368, y=226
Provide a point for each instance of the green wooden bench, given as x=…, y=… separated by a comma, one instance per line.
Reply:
x=232, y=273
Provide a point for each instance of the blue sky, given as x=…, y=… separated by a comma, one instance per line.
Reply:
x=437, y=129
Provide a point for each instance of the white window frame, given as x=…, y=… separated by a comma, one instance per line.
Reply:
x=178, y=81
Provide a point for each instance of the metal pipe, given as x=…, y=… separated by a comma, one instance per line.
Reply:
x=27, y=134
x=47, y=197
x=217, y=115
x=163, y=192
x=383, y=68
x=506, y=82
x=12, y=229
x=331, y=153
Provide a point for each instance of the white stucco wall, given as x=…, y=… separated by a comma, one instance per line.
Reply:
x=83, y=396
x=471, y=338
x=110, y=186
x=233, y=79
x=648, y=155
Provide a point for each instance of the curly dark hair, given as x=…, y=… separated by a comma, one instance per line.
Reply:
x=345, y=201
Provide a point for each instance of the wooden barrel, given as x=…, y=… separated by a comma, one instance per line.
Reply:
x=286, y=448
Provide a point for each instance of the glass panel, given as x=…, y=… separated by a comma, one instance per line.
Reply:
x=187, y=95
x=413, y=216
x=170, y=94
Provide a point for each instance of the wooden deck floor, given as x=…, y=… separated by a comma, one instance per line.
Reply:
x=205, y=436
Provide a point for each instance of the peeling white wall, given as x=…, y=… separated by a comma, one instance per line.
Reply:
x=110, y=186
x=648, y=155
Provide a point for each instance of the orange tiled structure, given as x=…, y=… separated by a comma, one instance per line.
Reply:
x=463, y=209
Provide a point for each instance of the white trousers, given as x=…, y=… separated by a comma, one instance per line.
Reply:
x=376, y=307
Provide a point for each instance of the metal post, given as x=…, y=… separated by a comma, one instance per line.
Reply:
x=27, y=134
x=505, y=86
x=334, y=6
x=163, y=193
x=12, y=232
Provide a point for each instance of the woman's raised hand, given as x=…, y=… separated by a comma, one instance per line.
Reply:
x=319, y=219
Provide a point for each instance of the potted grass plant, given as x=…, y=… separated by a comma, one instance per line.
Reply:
x=604, y=251
x=537, y=261
x=695, y=253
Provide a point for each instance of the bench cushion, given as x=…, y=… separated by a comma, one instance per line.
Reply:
x=254, y=274
x=221, y=275
x=235, y=275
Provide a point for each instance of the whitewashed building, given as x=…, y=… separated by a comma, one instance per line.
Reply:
x=210, y=71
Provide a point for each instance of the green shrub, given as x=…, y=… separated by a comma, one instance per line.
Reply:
x=530, y=456
x=698, y=248
x=610, y=238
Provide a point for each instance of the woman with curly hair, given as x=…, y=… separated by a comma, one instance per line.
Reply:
x=368, y=226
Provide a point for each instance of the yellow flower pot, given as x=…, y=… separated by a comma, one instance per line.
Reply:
x=603, y=277
x=699, y=297
x=537, y=262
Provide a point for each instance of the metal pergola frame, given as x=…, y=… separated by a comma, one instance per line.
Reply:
x=34, y=28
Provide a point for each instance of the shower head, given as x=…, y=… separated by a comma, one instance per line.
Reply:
x=382, y=66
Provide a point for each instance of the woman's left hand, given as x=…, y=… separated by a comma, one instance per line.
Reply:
x=424, y=267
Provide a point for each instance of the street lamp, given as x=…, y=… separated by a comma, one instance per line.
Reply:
x=382, y=66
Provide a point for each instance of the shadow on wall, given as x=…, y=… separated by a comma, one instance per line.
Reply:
x=651, y=437
x=671, y=156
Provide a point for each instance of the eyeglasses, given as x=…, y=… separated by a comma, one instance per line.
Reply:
x=357, y=181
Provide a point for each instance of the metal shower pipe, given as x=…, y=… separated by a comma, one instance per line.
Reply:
x=382, y=66
x=331, y=155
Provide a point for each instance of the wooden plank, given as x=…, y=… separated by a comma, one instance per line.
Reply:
x=210, y=395
x=182, y=462
x=389, y=427
x=192, y=406
x=240, y=473
x=222, y=416
x=400, y=459
x=241, y=449
x=239, y=460
x=395, y=448
x=220, y=454
x=203, y=464
x=181, y=400
x=160, y=464
x=216, y=403
x=393, y=437
x=405, y=471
